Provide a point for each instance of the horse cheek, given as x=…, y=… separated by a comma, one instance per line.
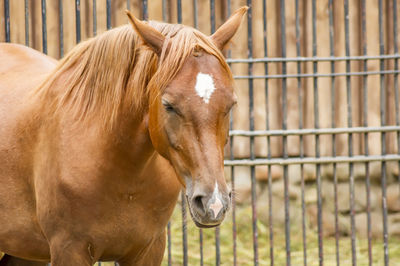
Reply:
x=157, y=134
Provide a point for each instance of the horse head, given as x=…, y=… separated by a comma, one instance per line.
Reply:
x=188, y=118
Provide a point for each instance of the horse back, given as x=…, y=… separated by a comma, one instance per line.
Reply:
x=16, y=57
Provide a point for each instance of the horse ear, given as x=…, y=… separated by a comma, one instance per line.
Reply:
x=149, y=35
x=224, y=33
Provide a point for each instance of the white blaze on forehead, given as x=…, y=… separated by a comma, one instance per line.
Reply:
x=217, y=205
x=204, y=86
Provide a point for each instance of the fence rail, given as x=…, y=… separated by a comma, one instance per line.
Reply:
x=313, y=131
x=317, y=160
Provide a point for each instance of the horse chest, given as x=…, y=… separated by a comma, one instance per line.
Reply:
x=130, y=226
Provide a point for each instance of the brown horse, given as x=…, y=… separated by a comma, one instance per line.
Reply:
x=94, y=149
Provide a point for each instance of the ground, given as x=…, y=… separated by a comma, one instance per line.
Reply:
x=245, y=248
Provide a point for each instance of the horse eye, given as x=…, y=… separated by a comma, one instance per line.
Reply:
x=169, y=108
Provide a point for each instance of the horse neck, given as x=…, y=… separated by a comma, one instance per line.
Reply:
x=131, y=137
x=128, y=140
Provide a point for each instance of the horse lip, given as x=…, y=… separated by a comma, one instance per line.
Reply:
x=197, y=223
x=204, y=225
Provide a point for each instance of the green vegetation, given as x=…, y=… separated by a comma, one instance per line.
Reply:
x=245, y=246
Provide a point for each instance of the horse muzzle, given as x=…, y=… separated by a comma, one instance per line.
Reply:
x=208, y=210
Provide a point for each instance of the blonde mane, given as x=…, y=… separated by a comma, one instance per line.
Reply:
x=115, y=72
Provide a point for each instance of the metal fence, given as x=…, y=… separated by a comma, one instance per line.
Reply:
x=285, y=161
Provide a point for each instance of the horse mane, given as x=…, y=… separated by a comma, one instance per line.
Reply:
x=115, y=72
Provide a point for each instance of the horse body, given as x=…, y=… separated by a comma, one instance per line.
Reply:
x=95, y=149
x=43, y=195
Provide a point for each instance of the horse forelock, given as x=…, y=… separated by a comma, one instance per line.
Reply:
x=181, y=42
x=116, y=73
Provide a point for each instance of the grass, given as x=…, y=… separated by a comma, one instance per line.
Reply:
x=245, y=246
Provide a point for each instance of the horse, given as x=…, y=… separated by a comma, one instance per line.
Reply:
x=95, y=148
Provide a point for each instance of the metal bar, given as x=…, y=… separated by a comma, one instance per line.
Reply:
x=333, y=124
x=179, y=10
x=284, y=127
x=313, y=160
x=396, y=81
x=350, y=136
x=383, y=137
x=164, y=8
x=145, y=15
x=365, y=124
x=94, y=18
x=217, y=246
x=26, y=23
x=201, y=246
x=78, y=20
x=318, y=75
x=269, y=176
x=184, y=229
x=234, y=233
x=108, y=11
x=313, y=131
x=169, y=243
x=231, y=157
x=128, y=5
x=251, y=126
x=61, y=27
x=44, y=27
x=314, y=58
x=316, y=125
x=196, y=16
x=300, y=103
x=212, y=15
x=7, y=19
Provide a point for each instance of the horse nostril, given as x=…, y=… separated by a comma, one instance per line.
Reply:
x=230, y=195
x=198, y=203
